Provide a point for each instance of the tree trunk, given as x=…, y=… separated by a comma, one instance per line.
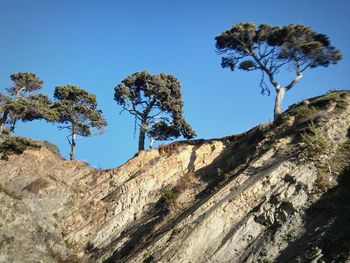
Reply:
x=3, y=120
x=142, y=136
x=278, y=102
x=72, y=145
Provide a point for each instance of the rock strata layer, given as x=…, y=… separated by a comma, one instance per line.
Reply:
x=277, y=193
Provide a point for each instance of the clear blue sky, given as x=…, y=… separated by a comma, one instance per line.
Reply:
x=95, y=44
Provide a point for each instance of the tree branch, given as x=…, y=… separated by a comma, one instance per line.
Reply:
x=149, y=108
x=69, y=141
x=263, y=86
x=294, y=81
x=267, y=71
x=155, y=115
x=64, y=127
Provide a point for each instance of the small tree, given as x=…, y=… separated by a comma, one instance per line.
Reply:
x=156, y=103
x=77, y=111
x=20, y=104
x=270, y=48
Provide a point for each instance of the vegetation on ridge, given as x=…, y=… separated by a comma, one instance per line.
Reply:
x=21, y=104
x=155, y=100
x=156, y=103
x=269, y=49
x=77, y=111
x=15, y=145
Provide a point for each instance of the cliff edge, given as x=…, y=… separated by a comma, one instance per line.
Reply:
x=277, y=193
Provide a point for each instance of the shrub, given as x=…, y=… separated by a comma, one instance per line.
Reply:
x=315, y=143
x=15, y=145
x=342, y=104
x=176, y=231
x=324, y=101
x=340, y=159
x=67, y=243
x=323, y=181
x=6, y=131
x=169, y=195
x=302, y=111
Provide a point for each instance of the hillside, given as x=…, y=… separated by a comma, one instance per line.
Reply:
x=278, y=193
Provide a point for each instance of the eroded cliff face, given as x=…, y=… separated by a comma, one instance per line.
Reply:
x=279, y=192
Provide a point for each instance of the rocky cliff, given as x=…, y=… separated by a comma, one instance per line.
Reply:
x=277, y=193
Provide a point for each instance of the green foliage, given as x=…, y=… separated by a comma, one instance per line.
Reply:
x=322, y=181
x=77, y=108
x=269, y=49
x=6, y=131
x=15, y=145
x=341, y=158
x=310, y=108
x=285, y=44
x=342, y=104
x=162, y=131
x=219, y=171
x=67, y=243
x=315, y=143
x=24, y=82
x=302, y=111
x=176, y=231
x=21, y=105
x=323, y=102
x=335, y=166
x=169, y=195
x=156, y=103
x=32, y=107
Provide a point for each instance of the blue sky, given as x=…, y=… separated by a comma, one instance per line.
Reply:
x=95, y=44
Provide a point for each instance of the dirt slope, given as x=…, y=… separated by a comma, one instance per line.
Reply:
x=279, y=192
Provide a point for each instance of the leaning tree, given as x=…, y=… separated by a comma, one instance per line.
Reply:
x=77, y=111
x=269, y=49
x=21, y=104
x=156, y=103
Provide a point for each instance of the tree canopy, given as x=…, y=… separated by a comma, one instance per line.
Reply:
x=270, y=48
x=156, y=102
x=21, y=104
x=24, y=82
x=77, y=111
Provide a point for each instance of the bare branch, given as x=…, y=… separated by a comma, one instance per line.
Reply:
x=276, y=68
x=266, y=70
x=155, y=115
x=263, y=86
x=60, y=127
x=294, y=81
x=69, y=141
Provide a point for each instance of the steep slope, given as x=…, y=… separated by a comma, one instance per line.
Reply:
x=279, y=192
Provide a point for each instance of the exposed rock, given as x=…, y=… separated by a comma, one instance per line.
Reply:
x=254, y=197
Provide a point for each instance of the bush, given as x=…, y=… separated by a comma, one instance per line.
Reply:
x=15, y=145
x=315, y=143
x=333, y=97
x=302, y=111
x=6, y=131
x=342, y=104
x=169, y=195
x=323, y=181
